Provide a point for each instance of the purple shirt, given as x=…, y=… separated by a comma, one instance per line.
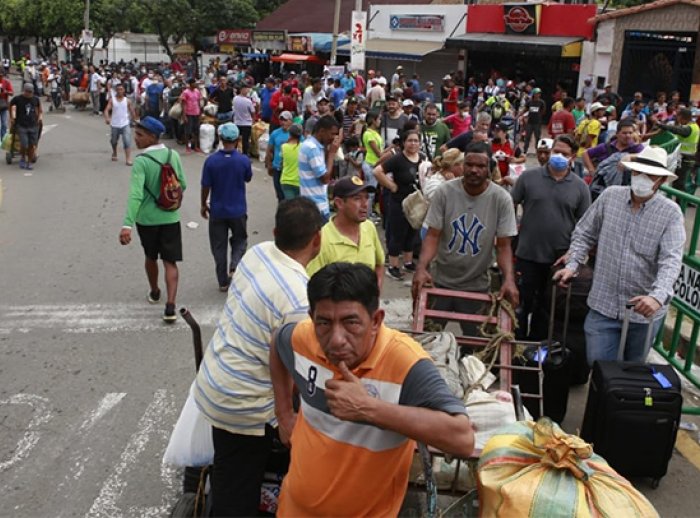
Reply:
x=243, y=111
x=602, y=151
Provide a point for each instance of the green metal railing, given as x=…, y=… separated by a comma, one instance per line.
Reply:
x=683, y=310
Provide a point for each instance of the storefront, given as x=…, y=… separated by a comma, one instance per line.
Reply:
x=652, y=47
x=412, y=36
x=526, y=41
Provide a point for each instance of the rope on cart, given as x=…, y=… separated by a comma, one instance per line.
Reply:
x=496, y=336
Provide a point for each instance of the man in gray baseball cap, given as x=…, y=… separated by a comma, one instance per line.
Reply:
x=25, y=118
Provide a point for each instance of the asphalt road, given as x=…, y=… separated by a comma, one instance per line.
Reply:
x=91, y=380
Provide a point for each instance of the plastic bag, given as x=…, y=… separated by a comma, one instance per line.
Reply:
x=191, y=443
x=7, y=141
x=262, y=145
x=443, y=349
x=207, y=132
x=490, y=412
x=175, y=111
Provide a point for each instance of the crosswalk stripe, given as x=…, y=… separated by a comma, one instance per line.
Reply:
x=121, y=317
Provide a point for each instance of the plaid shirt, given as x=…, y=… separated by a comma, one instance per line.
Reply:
x=638, y=253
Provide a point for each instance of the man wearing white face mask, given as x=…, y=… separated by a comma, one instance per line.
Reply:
x=640, y=236
x=553, y=200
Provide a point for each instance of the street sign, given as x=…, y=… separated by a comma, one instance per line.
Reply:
x=88, y=37
x=69, y=43
x=687, y=287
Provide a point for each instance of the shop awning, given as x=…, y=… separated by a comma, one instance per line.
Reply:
x=288, y=57
x=518, y=43
x=407, y=50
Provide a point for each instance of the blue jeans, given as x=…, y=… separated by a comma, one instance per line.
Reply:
x=4, y=116
x=603, y=338
x=224, y=116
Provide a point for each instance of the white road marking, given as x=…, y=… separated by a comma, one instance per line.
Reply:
x=152, y=423
x=46, y=128
x=109, y=318
x=106, y=404
x=82, y=453
x=40, y=415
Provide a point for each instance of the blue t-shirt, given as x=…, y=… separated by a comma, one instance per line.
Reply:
x=265, y=96
x=348, y=83
x=277, y=138
x=226, y=174
x=154, y=92
x=337, y=96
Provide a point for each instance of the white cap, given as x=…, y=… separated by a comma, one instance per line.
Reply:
x=407, y=102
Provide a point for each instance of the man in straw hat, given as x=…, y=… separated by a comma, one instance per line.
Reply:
x=640, y=237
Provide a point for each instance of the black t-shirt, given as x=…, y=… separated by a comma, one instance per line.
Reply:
x=405, y=173
x=535, y=111
x=27, y=110
x=224, y=98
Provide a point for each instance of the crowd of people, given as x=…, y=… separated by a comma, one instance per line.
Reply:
x=347, y=156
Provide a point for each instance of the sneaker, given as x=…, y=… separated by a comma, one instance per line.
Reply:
x=223, y=289
x=409, y=267
x=154, y=297
x=169, y=315
x=22, y=164
x=29, y=166
x=198, y=150
x=395, y=273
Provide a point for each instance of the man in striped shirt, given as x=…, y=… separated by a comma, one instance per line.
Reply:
x=233, y=386
x=316, y=157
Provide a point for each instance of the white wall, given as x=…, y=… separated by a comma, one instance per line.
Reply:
x=379, y=26
x=596, y=57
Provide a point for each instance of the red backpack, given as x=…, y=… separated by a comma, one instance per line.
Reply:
x=170, y=197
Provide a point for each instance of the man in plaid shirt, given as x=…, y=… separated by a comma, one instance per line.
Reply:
x=640, y=236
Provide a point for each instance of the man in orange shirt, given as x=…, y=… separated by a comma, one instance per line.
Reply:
x=367, y=392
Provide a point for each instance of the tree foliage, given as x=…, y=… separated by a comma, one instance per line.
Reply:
x=173, y=20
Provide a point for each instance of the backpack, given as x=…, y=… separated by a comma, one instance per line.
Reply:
x=607, y=174
x=170, y=197
x=497, y=111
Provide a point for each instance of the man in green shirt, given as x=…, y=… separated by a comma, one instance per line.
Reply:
x=349, y=237
x=434, y=133
x=159, y=230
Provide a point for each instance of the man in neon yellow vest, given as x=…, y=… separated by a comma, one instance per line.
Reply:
x=688, y=133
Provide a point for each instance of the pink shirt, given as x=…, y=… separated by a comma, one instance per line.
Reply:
x=190, y=100
x=458, y=124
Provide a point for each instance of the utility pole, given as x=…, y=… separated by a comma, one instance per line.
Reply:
x=336, y=27
x=86, y=20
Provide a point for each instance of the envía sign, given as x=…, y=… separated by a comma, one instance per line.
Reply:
x=240, y=37
x=687, y=287
x=417, y=22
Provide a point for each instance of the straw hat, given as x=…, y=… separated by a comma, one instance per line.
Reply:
x=652, y=161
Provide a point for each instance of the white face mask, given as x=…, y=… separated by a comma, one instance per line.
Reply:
x=642, y=185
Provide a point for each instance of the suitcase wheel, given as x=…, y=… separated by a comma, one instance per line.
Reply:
x=655, y=483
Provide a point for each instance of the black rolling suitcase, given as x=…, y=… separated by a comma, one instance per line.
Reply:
x=556, y=366
x=632, y=413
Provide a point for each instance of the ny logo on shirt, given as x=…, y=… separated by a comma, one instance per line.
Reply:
x=468, y=234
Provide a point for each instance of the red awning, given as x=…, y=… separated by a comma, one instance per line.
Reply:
x=297, y=58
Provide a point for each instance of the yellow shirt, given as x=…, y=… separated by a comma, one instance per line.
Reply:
x=588, y=127
x=290, y=164
x=372, y=136
x=336, y=248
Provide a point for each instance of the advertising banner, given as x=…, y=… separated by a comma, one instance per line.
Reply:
x=358, y=43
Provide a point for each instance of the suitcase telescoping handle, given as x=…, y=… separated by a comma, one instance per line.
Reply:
x=552, y=314
x=629, y=306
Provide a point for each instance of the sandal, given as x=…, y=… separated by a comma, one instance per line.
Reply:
x=114, y=158
x=129, y=164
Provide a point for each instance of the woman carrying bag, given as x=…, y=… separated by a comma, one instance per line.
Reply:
x=398, y=174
